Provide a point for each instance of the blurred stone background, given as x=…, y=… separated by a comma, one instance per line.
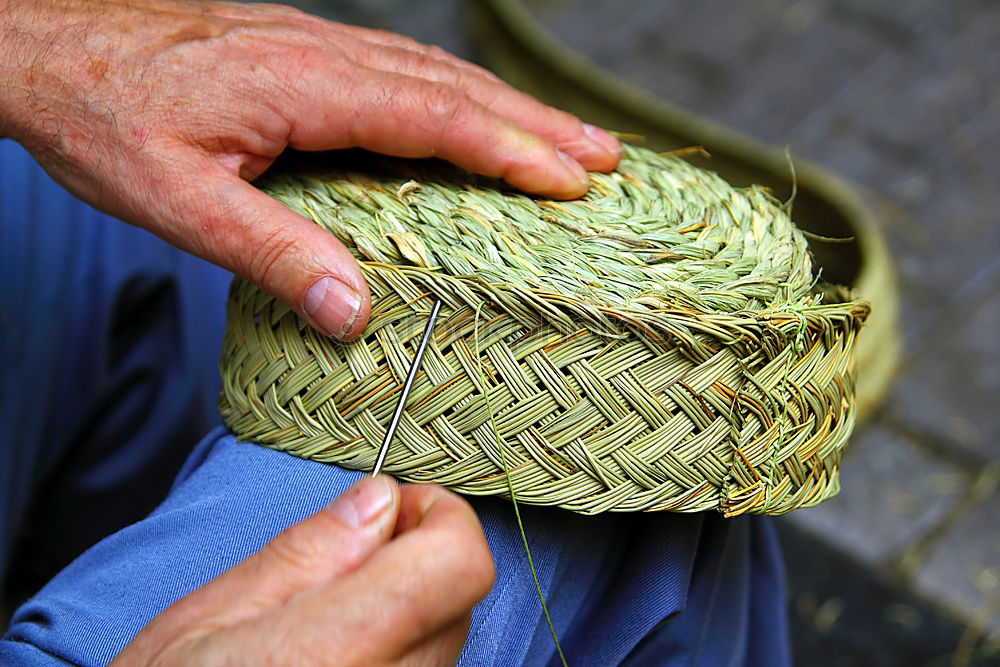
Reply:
x=902, y=97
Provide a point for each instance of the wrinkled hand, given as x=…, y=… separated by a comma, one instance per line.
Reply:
x=159, y=111
x=384, y=575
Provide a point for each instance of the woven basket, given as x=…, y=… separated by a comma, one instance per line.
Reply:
x=661, y=344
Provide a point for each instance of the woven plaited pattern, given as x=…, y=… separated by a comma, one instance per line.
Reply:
x=656, y=346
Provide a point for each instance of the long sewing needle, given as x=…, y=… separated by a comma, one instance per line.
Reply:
x=401, y=403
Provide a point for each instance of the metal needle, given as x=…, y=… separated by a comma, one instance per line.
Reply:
x=414, y=367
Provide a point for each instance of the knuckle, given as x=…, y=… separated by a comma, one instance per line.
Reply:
x=408, y=62
x=385, y=35
x=415, y=63
x=286, y=11
x=295, y=546
x=479, y=570
x=443, y=105
x=484, y=91
x=436, y=52
x=268, y=256
x=288, y=549
x=427, y=66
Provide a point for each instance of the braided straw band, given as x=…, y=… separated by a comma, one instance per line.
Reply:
x=657, y=345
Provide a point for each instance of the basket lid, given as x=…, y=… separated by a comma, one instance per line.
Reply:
x=655, y=233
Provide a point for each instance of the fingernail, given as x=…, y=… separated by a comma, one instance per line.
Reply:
x=604, y=138
x=579, y=173
x=332, y=306
x=364, y=502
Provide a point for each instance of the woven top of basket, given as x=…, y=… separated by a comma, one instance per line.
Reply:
x=658, y=344
x=657, y=232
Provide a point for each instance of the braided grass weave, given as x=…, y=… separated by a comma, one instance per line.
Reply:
x=658, y=345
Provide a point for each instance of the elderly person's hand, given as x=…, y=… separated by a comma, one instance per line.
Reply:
x=159, y=111
x=384, y=575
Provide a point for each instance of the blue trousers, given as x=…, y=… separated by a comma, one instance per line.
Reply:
x=109, y=346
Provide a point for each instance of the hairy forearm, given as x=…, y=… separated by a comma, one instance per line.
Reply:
x=49, y=68
x=14, y=36
x=34, y=64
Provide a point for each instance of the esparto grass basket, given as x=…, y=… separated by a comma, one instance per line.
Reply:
x=662, y=344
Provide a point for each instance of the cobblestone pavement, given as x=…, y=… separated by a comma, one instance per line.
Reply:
x=903, y=98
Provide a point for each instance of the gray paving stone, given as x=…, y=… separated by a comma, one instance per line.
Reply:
x=843, y=614
x=956, y=203
x=962, y=570
x=922, y=305
x=951, y=393
x=944, y=226
x=924, y=90
x=891, y=493
x=921, y=128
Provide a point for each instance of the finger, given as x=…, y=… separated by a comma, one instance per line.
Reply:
x=591, y=146
x=423, y=581
x=411, y=117
x=223, y=219
x=385, y=38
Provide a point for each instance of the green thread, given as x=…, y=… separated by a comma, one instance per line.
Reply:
x=513, y=496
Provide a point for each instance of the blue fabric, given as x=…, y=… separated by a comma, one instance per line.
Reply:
x=656, y=589
x=109, y=341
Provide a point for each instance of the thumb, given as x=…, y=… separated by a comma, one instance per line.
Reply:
x=330, y=544
x=227, y=221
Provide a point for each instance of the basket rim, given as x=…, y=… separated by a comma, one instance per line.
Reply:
x=608, y=320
